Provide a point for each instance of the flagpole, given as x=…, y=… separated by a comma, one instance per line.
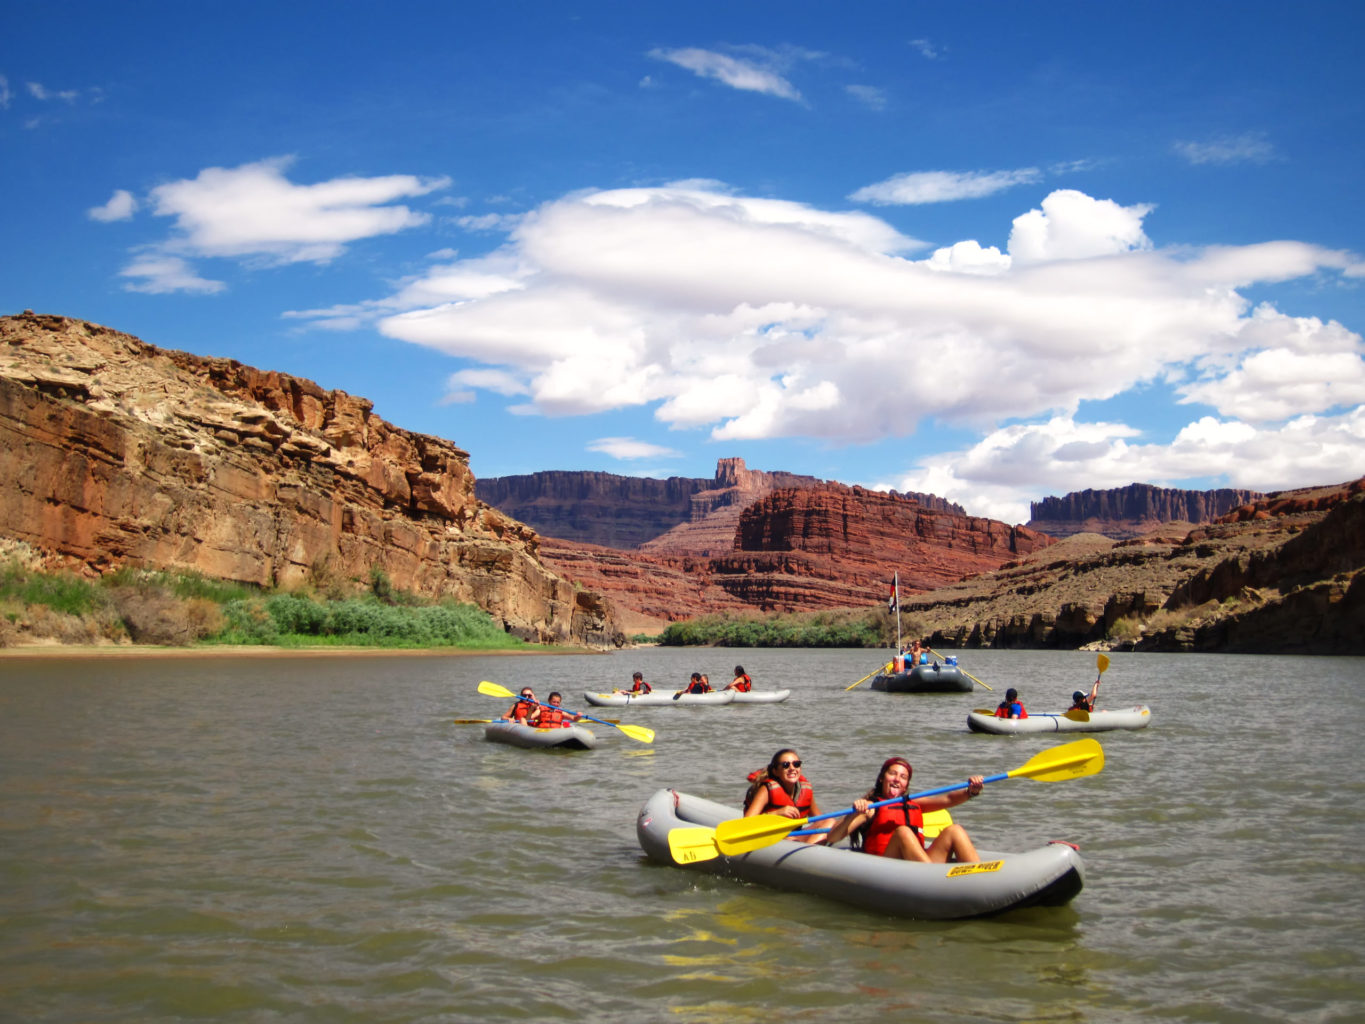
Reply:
x=896, y=589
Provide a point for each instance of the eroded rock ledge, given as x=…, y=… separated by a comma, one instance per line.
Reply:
x=115, y=452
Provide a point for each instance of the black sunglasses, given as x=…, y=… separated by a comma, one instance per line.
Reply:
x=789, y=764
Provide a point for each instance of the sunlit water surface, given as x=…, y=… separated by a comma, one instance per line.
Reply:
x=314, y=839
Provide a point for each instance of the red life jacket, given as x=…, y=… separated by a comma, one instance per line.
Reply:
x=1003, y=710
x=553, y=718
x=519, y=711
x=743, y=684
x=641, y=687
x=697, y=686
x=777, y=796
x=885, y=820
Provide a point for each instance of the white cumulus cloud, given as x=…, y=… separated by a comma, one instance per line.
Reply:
x=1061, y=455
x=255, y=211
x=121, y=206
x=755, y=318
x=1071, y=225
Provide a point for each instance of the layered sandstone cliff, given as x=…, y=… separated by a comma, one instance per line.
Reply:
x=675, y=516
x=1283, y=573
x=114, y=452
x=800, y=549
x=1124, y=512
x=625, y=512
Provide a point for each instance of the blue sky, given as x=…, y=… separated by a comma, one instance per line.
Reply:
x=994, y=251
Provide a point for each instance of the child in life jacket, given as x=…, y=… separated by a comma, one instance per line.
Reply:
x=896, y=830
x=553, y=716
x=1010, y=707
x=781, y=789
x=638, y=684
x=697, y=684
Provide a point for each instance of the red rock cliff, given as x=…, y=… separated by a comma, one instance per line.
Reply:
x=800, y=549
x=116, y=452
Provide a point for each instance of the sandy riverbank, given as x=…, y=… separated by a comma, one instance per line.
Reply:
x=254, y=651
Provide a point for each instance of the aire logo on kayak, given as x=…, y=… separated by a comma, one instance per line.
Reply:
x=972, y=869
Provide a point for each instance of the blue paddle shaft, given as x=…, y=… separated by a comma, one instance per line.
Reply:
x=912, y=797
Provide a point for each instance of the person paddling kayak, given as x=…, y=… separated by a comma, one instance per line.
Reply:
x=896, y=830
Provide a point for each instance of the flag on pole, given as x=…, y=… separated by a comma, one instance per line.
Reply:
x=893, y=602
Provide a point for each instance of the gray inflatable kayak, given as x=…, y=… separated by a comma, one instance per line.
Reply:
x=573, y=737
x=984, y=720
x=1049, y=876
x=659, y=698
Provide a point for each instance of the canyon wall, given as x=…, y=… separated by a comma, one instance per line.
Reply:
x=799, y=549
x=593, y=508
x=1284, y=573
x=677, y=515
x=114, y=452
x=1124, y=512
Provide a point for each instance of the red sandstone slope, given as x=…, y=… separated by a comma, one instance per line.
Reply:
x=799, y=549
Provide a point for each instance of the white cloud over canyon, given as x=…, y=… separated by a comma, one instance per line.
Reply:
x=756, y=318
x=254, y=212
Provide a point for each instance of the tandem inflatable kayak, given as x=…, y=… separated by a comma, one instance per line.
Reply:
x=935, y=678
x=573, y=737
x=1049, y=876
x=1136, y=717
x=660, y=698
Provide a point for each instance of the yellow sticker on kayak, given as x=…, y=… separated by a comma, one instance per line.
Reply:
x=972, y=869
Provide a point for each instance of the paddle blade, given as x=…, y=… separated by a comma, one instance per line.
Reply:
x=494, y=690
x=740, y=835
x=1077, y=715
x=1069, y=761
x=473, y=721
x=689, y=845
x=1102, y=663
x=638, y=732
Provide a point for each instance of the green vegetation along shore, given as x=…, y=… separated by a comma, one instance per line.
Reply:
x=858, y=627
x=186, y=609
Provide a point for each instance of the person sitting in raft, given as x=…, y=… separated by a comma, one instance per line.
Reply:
x=1010, y=707
x=697, y=684
x=896, y=830
x=638, y=684
x=1080, y=701
x=781, y=789
x=525, y=710
x=555, y=717
x=741, y=683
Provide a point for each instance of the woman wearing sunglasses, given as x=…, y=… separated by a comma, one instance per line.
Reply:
x=781, y=789
x=896, y=830
x=525, y=710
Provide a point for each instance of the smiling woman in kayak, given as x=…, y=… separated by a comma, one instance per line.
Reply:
x=781, y=789
x=896, y=830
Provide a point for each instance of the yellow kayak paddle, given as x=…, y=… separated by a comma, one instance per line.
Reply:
x=635, y=732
